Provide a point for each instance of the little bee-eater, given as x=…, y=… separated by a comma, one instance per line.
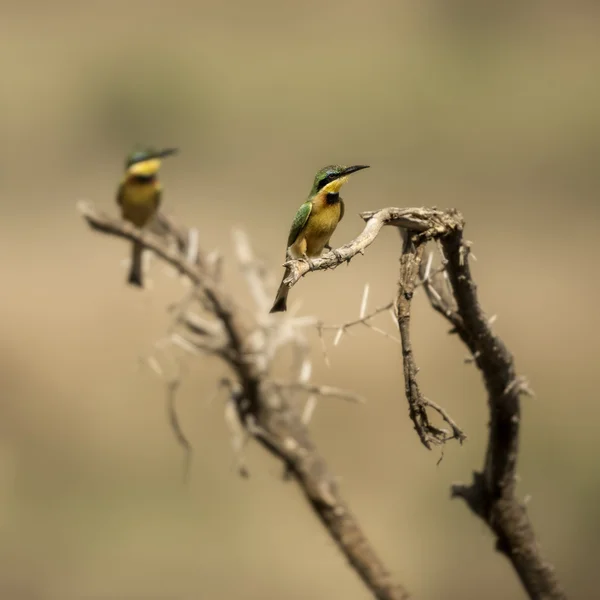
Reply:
x=139, y=197
x=315, y=221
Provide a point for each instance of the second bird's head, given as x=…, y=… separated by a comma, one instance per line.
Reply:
x=330, y=179
x=146, y=163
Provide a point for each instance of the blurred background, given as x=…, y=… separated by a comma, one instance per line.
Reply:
x=492, y=109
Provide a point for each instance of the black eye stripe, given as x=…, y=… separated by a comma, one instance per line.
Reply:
x=136, y=159
x=328, y=179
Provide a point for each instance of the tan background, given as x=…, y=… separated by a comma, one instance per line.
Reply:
x=496, y=113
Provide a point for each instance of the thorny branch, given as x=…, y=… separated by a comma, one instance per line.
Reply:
x=429, y=434
x=247, y=344
x=423, y=225
x=265, y=413
x=453, y=293
x=491, y=495
x=428, y=223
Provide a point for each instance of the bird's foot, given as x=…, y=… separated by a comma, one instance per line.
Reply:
x=309, y=262
x=336, y=253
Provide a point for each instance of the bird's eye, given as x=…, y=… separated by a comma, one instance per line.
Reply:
x=327, y=179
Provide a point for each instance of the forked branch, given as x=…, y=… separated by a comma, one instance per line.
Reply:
x=421, y=225
x=453, y=293
x=248, y=343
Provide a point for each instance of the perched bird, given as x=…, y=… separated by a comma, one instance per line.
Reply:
x=139, y=197
x=315, y=221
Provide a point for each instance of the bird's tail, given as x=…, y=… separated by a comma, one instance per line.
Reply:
x=280, y=304
x=135, y=272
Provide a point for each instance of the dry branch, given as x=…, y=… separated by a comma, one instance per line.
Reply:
x=452, y=292
x=429, y=434
x=421, y=225
x=265, y=413
x=492, y=492
x=248, y=344
x=429, y=223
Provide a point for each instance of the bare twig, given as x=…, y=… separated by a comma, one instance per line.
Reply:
x=360, y=321
x=252, y=272
x=440, y=296
x=318, y=390
x=365, y=318
x=410, y=261
x=457, y=433
x=389, y=307
x=181, y=438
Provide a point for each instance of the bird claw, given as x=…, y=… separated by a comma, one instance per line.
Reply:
x=308, y=262
x=336, y=253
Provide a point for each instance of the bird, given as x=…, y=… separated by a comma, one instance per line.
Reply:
x=139, y=196
x=315, y=221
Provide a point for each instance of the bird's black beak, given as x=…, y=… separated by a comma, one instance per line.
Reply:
x=353, y=169
x=166, y=152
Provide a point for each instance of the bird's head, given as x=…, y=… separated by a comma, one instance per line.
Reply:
x=146, y=163
x=330, y=179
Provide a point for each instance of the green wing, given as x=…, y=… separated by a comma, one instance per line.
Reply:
x=300, y=221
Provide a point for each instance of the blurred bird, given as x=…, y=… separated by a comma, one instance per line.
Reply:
x=139, y=197
x=315, y=221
